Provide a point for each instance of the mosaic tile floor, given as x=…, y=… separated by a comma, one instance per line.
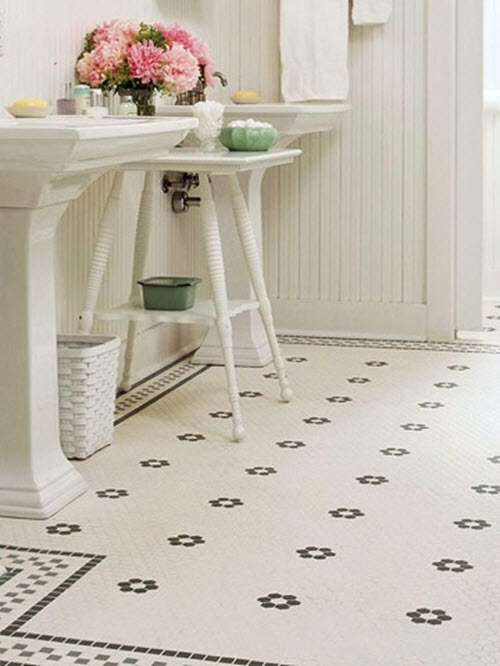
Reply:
x=356, y=526
x=491, y=325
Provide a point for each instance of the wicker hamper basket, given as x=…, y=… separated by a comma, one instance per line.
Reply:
x=87, y=372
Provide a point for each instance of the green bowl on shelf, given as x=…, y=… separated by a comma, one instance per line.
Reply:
x=251, y=139
x=169, y=293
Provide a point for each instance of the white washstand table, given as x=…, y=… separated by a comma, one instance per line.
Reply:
x=219, y=310
x=293, y=121
x=44, y=165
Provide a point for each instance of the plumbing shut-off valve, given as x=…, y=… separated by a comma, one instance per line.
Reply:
x=182, y=202
x=181, y=183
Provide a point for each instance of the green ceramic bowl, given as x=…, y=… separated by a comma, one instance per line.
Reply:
x=254, y=139
x=169, y=293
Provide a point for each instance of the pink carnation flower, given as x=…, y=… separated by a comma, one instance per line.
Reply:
x=209, y=72
x=147, y=62
x=116, y=31
x=181, y=70
x=95, y=67
x=174, y=34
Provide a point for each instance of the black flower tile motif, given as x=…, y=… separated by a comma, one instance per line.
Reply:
x=260, y=471
x=340, y=399
x=271, y=375
x=315, y=553
x=296, y=359
x=137, y=585
x=430, y=405
x=446, y=385
x=393, y=451
x=457, y=566
x=290, y=444
x=279, y=601
x=154, y=463
x=344, y=512
x=428, y=616
x=226, y=502
x=472, y=524
x=376, y=364
x=250, y=394
x=316, y=420
x=489, y=329
x=221, y=415
x=495, y=459
x=371, y=480
x=186, y=540
x=486, y=489
x=359, y=380
x=112, y=493
x=63, y=529
x=414, y=427
x=458, y=368
x=191, y=437
x=492, y=317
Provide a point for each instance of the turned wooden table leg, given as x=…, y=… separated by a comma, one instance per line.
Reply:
x=102, y=252
x=142, y=236
x=251, y=252
x=218, y=279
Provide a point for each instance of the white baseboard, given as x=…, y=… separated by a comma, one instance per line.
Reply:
x=159, y=346
x=491, y=284
x=347, y=319
x=163, y=344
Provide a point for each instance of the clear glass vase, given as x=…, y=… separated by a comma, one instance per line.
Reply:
x=144, y=100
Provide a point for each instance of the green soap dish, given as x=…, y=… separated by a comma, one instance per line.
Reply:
x=251, y=139
x=169, y=293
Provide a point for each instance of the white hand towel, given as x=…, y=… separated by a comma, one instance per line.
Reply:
x=369, y=12
x=314, y=42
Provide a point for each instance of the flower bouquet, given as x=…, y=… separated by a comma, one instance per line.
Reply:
x=138, y=59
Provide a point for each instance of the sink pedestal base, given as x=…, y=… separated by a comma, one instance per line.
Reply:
x=36, y=479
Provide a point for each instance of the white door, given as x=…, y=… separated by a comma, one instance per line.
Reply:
x=469, y=175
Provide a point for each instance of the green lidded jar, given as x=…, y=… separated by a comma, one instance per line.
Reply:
x=252, y=139
x=169, y=293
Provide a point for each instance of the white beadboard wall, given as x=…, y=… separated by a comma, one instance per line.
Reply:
x=491, y=152
x=344, y=226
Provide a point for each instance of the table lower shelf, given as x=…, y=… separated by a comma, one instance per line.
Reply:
x=203, y=312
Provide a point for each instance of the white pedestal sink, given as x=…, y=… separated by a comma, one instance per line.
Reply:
x=45, y=164
x=293, y=121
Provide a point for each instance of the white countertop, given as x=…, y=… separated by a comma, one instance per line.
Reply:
x=83, y=128
x=274, y=109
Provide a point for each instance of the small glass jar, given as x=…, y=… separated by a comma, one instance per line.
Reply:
x=97, y=109
x=81, y=93
x=127, y=106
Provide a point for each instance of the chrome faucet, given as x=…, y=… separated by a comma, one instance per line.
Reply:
x=197, y=94
x=223, y=79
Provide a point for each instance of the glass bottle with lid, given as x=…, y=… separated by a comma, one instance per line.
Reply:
x=127, y=106
x=81, y=94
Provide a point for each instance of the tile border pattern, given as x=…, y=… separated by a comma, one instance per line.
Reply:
x=154, y=388
x=73, y=650
x=403, y=345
